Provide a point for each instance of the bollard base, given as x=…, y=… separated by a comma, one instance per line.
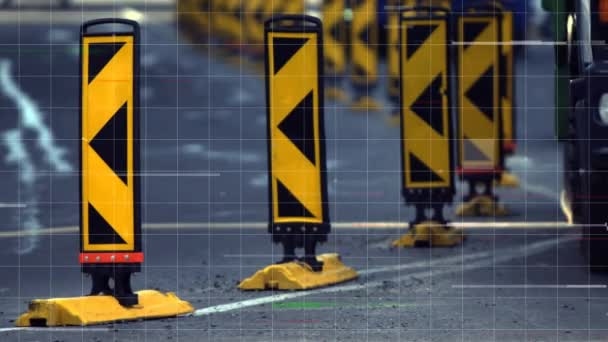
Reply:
x=366, y=103
x=336, y=94
x=482, y=206
x=507, y=180
x=299, y=276
x=90, y=310
x=430, y=234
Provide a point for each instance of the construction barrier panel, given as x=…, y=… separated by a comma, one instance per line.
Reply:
x=364, y=54
x=479, y=117
x=298, y=208
x=334, y=31
x=393, y=9
x=506, y=105
x=426, y=127
x=110, y=225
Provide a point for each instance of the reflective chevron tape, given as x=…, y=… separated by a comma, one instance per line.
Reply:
x=298, y=193
x=333, y=34
x=109, y=148
x=479, y=131
x=364, y=42
x=508, y=113
x=425, y=105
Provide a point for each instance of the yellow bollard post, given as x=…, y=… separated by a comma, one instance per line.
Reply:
x=110, y=226
x=481, y=157
x=426, y=144
x=299, y=213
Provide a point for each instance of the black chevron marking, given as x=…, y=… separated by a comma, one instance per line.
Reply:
x=481, y=93
x=429, y=106
x=284, y=49
x=420, y=172
x=416, y=36
x=110, y=143
x=100, y=231
x=298, y=126
x=471, y=30
x=100, y=55
x=289, y=205
x=364, y=35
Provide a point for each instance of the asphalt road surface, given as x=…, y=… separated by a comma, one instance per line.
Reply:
x=204, y=162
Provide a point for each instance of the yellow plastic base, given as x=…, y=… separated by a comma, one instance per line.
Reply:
x=430, y=234
x=101, y=309
x=336, y=94
x=482, y=206
x=507, y=180
x=299, y=276
x=366, y=103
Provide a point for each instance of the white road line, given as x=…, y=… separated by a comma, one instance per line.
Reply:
x=336, y=225
x=502, y=255
x=484, y=259
x=12, y=205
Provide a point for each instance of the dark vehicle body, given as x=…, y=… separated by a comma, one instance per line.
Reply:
x=585, y=196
